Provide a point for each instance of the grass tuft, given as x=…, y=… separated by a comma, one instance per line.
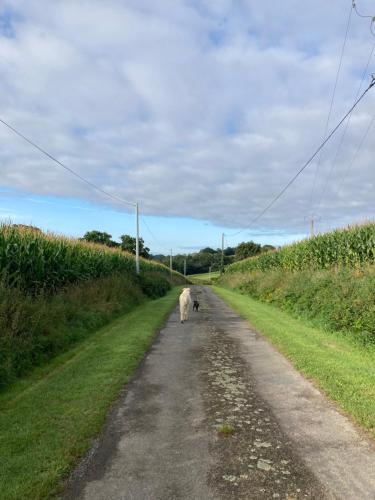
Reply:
x=226, y=430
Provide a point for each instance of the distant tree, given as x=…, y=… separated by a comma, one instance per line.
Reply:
x=128, y=244
x=98, y=237
x=229, y=251
x=207, y=250
x=247, y=249
x=198, y=262
x=268, y=248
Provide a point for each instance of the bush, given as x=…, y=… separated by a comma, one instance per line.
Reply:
x=153, y=285
x=34, y=329
x=341, y=299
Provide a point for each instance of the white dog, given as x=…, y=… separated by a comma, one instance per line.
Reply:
x=185, y=301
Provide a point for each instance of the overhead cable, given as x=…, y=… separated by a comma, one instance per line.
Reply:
x=331, y=103
x=70, y=170
x=333, y=164
x=307, y=163
x=366, y=16
x=351, y=163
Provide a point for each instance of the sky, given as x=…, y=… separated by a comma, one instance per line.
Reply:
x=199, y=110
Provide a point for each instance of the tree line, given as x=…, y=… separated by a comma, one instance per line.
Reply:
x=196, y=263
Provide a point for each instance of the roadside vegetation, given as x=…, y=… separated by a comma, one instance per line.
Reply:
x=339, y=365
x=329, y=279
x=54, y=291
x=48, y=420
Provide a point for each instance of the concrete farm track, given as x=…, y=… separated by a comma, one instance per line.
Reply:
x=165, y=439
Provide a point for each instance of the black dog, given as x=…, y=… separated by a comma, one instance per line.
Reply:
x=195, y=305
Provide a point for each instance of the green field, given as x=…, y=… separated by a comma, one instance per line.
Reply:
x=204, y=278
x=48, y=420
x=341, y=367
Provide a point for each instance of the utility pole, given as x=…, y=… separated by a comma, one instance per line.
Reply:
x=222, y=254
x=185, y=267
x=171, y=263
x=209, y=273
x=137, y=238
x=312, y=232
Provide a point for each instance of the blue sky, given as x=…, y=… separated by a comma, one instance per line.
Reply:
x=201, y=111
x=74, y=217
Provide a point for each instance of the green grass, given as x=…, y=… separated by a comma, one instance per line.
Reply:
x=204, y=278
x=341, y=367
x=48, y=420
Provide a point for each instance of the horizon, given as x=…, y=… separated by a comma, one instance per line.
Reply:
x=174, y=106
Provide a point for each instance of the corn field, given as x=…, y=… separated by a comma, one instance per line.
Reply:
x=346, y=247
x=34, y=261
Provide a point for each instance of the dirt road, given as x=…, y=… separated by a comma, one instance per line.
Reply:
x=214, y=412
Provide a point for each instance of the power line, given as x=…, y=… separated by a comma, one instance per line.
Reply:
x=307, y=163
x=345, y=129
x=151, y=233
x=354, y=4
x=351, y=163
x=70, y=170
x=332, y=101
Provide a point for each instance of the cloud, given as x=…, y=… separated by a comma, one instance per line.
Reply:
x=193, y=108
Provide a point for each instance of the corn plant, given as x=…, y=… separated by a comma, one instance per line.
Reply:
x=343, y=247
x=35, y=261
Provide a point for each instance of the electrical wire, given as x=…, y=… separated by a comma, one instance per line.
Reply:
x=70, y=170
x=351, y=163
x=333, y=164
x=354, y=5
x=83, y=179
x=331, y=103
x=307, y=163
x=149, y=230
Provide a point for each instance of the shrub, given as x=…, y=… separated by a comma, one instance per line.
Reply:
x=341, y=299
x=34, y=329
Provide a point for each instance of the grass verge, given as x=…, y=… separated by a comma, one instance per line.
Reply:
x=341, y=367
x=204, y=278
x=48, y=420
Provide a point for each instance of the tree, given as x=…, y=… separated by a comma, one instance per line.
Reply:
x=268, y=248
x=229, y=251
x=100, y=237
x=207, y=250
x=247, y=249
x=128, y=244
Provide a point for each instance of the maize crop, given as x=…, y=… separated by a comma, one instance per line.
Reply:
x=352, y=246
x=34, y=261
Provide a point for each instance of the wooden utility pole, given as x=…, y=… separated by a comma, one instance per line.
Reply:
x=137, y=238
x=222, y=254
x=312, y=228
x=171, y=263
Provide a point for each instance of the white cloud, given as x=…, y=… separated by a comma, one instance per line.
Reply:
x=195, y=108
